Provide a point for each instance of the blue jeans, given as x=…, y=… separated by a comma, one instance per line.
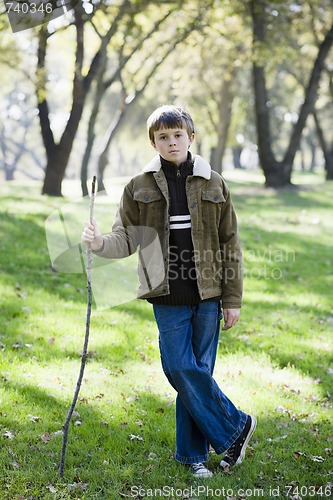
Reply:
x=188, y=338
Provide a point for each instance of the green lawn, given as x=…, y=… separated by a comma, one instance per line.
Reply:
x=277, y=363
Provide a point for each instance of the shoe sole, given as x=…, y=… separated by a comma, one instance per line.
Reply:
x=242, y=453
x=204, y=475
x=250, y=434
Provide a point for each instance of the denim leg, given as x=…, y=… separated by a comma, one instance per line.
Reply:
x=188, y=343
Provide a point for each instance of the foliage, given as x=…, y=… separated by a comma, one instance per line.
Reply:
x=192, y=74
x=276, y=363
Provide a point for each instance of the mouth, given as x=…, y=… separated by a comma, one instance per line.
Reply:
x=174, y=151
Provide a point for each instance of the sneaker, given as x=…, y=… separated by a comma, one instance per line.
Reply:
x=236, y=453
x=199, y=470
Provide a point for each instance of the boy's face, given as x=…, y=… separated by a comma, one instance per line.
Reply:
x=172, y=144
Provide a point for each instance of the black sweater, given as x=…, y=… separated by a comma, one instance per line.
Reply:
x=182, y=273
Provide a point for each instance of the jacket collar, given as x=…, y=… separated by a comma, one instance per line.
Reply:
x=201, y=167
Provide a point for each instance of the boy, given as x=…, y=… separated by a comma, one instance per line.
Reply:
x=189, y=207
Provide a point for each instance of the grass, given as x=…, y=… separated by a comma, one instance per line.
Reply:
x=277, y=363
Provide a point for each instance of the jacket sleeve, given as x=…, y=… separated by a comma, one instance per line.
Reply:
x=123, y=240
x=232, y=262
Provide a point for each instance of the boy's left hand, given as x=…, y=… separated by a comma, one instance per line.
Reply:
x=231, y=317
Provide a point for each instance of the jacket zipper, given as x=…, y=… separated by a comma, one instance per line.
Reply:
x=179, y=193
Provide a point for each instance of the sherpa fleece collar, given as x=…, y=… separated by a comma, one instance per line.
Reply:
x=201, y=167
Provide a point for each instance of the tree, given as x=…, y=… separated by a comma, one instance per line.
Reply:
x=278, y=173
x=206, y=77
x=138, y=80
x=108, y=29
x=58, y=153
x=326, y=148
x=103, y=83
x=16, y=134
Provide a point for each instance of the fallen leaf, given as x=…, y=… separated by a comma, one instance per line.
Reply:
x=226, y=470
x=33, y=418
x=46, y=437
x=8, y=435
x=77, y=486
x=100, y=396
x=51, y=488
x=58, y=433
x=270, y=440
x=313, y=458
x=135, y=438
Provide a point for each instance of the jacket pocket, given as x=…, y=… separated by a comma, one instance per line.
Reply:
x=213, y=195
x=212, y=201
x=151, y=207
x=147, y=195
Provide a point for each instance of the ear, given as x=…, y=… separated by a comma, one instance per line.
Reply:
x=191, y=139
x=153, y=144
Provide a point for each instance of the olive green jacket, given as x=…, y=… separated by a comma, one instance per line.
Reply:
x=143, y=221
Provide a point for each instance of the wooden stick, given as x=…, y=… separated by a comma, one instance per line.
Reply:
x=86, y=340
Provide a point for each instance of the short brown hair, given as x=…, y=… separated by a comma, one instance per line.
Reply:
x=169, y=117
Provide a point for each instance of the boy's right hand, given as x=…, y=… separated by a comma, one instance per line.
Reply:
x=92, y=234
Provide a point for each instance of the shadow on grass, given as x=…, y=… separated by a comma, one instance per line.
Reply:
x=111, y=457
x=25, y=263
x=300, y=197
x=109, y=454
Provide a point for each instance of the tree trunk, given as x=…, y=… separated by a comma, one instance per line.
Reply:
x=9, y=172
x=224, y=118
x=103, y=159
x=236, y=156
x=328, y=153
x=58, y=153
x=55, y=171
x=313, y=149
x=99, y=93
x=278, y=174
x=329, y=167
x=310, y=97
